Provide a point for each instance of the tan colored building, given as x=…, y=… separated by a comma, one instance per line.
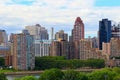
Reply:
x=75, y=50
x=106, y=49
x=59, y=48
x=112, y=52
x=61, y=35
x=83, y=50
x=6, y=54
x=85, y=47
x=23, y=51
x=115, y=47
x=3, y=38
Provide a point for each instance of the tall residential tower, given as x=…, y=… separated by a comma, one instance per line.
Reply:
x=78, y=30
x=23, y=51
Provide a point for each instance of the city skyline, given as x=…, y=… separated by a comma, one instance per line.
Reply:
x=15, y=15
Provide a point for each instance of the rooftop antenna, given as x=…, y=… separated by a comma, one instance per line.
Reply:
x=52, y=34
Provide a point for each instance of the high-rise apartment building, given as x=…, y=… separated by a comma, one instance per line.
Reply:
x=78, y=30
x=77, y=35
x=85, y=47
x=23, y=51
x=104, y=32
x=115, y=47
x=39, y=33
x=86, y=51
x=6, y=54
x=116, y=31
x=106, y=49
x=42, y=47
x=61, y=35
x=94, y=42
x=3, y=38
x=59, y=48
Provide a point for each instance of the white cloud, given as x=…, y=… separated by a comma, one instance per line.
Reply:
x=56, y=12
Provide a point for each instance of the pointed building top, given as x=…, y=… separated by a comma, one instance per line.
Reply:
x=38, y=25
x=78, y=19
x=78, y=31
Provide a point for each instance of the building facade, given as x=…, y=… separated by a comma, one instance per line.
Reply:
x=114, y=48
x=85, y=47
x=94, y=42
x=104, y=32
x=3, y=38
x=23, y=51
x=61, y=35
x=6, y=54
x=116, y=31
x=59, y=48
x=39, y=33
x=78, y=30
x=77, y=35
x=106, y=50
x=42, y=47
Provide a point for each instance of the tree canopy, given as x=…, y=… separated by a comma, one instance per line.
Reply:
x=2, y=61
x=56, y=74
x=42, y=63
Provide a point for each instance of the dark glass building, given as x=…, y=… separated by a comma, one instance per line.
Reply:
x=104, y=32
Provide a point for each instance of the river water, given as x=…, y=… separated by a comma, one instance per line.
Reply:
x=12, y=77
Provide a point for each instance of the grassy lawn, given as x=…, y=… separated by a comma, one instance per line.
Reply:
x=2, y=71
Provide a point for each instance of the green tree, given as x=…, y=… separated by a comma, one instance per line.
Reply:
x=26, y=78
x=2, y=61
x=82, y=76
x=70, y=75
x=48, y=62
x=116, y=70
x=117, y=77
x=17, y=79
x=52, y=74
x=104, y=74
x=95, y=63
x=3, y=76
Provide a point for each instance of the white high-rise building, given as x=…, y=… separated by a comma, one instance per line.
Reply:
x=39, y=33
x=42, y=47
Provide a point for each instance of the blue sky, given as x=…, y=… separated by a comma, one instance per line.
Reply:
x=20, y=2
x=60, y=14
x=108, y=3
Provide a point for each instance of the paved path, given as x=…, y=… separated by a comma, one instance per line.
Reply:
x=39, y=72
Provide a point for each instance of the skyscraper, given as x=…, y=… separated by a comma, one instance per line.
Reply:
x=77, y=35
x=114, y=47
x=61, y=35
x=78, y=30
x=85, y=47
x=23, y=51
x=3, y=38
x=59, y=48
x=104, y=32
x=39, y=33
